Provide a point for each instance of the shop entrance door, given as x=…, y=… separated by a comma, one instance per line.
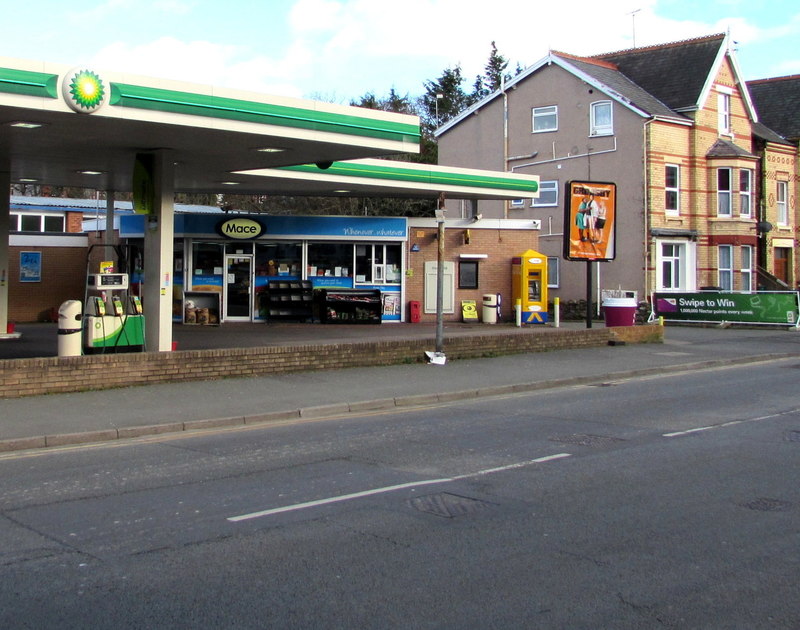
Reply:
x=238, y=296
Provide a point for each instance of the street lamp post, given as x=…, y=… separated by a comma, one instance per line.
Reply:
x=440, y=275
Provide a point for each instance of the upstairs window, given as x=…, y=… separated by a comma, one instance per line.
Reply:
x=548, y=194
x=746, y=192
x=783, y=212
x=724, y=113
x=601, y=121
x=724, y=192
x=672, y=185
x=545, y=119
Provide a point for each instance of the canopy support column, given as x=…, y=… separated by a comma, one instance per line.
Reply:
x=5, y=237
x=158, y=256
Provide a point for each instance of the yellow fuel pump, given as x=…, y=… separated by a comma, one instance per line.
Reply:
x=529, y=286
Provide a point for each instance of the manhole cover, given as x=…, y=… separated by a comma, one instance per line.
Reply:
x=767, y=505
x=792, y=436
x=447, y=505
x=581, y=439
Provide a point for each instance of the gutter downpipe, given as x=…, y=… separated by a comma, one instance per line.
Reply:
x=647, y=253
x=505, y=137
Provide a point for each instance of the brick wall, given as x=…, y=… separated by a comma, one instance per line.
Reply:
x=63, y=278
x=31, y=377
x=494, y=272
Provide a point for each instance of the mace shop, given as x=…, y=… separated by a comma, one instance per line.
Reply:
x=242, y=268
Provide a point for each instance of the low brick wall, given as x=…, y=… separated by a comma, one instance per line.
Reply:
x=31, y=377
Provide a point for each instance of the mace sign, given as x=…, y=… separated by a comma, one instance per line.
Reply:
x=745, y=308
x=240, y=228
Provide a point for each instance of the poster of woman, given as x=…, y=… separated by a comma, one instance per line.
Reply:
x=590, y=220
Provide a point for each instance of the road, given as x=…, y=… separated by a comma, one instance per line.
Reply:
x=659, y=502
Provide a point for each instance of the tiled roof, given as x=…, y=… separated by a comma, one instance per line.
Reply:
x=776, y=101
x=608, y=75
x=675, y=73
x=724, y=148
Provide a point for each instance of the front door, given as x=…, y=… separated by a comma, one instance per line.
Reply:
x=238, y=288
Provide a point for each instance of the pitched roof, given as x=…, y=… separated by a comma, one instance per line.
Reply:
x=674, y=73
x=777, y=103
x=724, y=148
x=619, y=85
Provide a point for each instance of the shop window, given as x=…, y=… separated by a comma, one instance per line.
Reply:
x=378, y=264
x=53, y=223
x=278, y=259
x=468, y=274
x=330, y=259
x=31, y=223
x=207, y=265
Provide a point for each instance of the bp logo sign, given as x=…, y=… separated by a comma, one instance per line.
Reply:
x=240, y=228
x=84, y=91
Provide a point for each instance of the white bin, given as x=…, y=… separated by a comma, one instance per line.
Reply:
x=69, y=329
x=490, y=308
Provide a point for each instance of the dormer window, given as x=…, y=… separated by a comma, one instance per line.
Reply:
x=601, y=121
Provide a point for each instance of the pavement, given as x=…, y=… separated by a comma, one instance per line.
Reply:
x=58, y=420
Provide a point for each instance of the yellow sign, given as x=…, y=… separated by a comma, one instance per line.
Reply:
x=469, y=310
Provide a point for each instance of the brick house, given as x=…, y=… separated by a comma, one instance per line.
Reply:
x=777, y=101
x=675, y=128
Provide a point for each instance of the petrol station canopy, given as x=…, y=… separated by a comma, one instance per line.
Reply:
x=86, y=128
x=82, y=127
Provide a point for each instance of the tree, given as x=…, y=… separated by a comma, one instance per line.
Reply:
x=494, y=75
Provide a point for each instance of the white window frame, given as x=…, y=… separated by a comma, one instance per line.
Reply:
x=550, y=186
x=553, y=272
x=724, y=194
x=725, y=267
x=605, y=129
x=682, y=278
x=41, y=220
x=542, y=113
x=745, y=192
x=672, y=189
x=724, y=111
x=747, y=268
x=517, y=203
x=781, y=194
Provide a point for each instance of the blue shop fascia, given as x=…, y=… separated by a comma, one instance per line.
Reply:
x=236, y=267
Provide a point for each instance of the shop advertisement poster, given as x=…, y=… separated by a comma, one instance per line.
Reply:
x=745, y=308
x=590, y=210
x=30, y=266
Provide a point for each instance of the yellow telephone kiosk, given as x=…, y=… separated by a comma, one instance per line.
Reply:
x=529, y=286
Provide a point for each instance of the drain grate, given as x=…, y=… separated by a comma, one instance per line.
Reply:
x=763, y=504
x=583, y=439
x=447, y=505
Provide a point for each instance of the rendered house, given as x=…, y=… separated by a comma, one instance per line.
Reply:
x=675, y=128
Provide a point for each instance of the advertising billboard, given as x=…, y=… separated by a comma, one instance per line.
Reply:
x=590, y=212
x=748, y=308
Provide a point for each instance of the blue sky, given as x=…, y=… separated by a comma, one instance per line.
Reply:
x=336, y=50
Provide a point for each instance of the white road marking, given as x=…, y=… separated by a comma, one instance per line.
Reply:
x=730, y=424
x=386, y=489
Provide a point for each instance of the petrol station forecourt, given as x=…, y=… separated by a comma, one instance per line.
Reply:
x=110, y=131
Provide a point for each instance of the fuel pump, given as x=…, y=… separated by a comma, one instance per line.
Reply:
x=113, y=322
x=529, y=286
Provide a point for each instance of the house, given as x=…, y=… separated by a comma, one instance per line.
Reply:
x=675, y=128
x=777, y=101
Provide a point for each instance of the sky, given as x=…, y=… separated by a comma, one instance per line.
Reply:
x=339, y=50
